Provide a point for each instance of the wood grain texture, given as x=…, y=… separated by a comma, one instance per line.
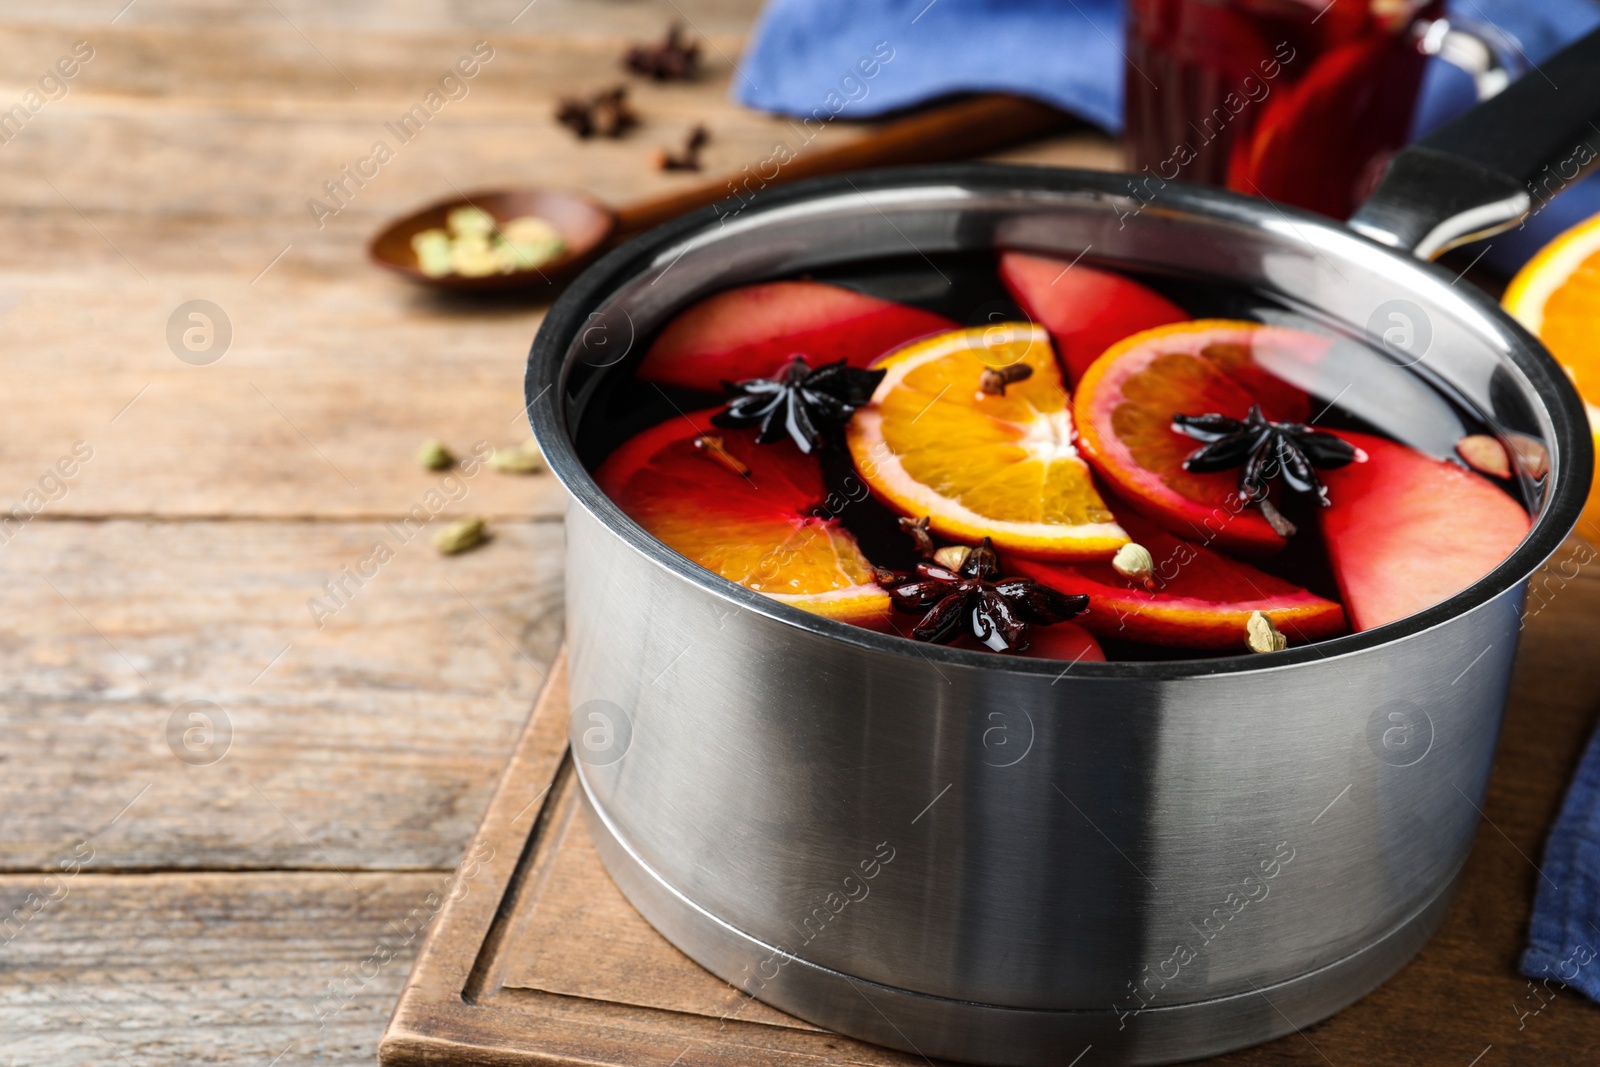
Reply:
x=209, y=968
x=179, y=166
x=573, y=933
x=368, y=742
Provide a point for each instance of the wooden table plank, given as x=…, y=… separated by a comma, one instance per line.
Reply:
x=158, y=969
x=618, y=21
x=370, y=742
x=275, y=431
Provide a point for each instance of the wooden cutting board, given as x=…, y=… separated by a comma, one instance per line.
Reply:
x=535, y=957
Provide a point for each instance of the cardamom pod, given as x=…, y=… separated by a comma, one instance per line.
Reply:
x=1134, y=562
x=469, y=532
x=434, y=456
x=1261, y=635
x=951, y=557
x=524, y=459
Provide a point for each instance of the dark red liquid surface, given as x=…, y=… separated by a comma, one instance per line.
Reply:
x=1299, y=101
x=1357, y=394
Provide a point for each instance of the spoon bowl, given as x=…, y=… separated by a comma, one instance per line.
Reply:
x=966, y=127
x=583, y=223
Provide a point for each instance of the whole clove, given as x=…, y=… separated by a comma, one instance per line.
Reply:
x=994, y=380
x=606, y=113
x=671, y=59
x=689, y=157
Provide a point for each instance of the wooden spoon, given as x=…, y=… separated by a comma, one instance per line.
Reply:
x=968, y=127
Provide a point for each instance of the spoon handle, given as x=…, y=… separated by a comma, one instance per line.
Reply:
x=969, y=127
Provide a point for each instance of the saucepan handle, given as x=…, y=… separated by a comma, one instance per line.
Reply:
x=1483, y=171
x=1485, y=53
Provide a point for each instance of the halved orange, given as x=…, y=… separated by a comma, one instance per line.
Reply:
x=1556, y=295
x=1200, y=598
x=977, y=464
x=1126, y=401
x=761, y=529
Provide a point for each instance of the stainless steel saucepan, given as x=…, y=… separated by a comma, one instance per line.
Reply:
x=1008, y=861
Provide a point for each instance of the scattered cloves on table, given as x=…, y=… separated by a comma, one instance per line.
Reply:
x=604, y=114
x=671, y=59
x=689, y=157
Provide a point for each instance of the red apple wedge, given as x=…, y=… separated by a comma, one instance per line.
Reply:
x=1086, y=310
x=1406, y=531
x=753, y=332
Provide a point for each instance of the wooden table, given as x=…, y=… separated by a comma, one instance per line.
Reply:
x=258, y=899
x=218, y=911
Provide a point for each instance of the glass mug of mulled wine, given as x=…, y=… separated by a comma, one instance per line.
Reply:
x=1299, y=101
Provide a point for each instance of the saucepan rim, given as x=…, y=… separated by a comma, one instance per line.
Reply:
x=548, y=364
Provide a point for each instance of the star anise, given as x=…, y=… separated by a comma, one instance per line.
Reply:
x=973, y=599
x=800, y=402
x=1264, y=450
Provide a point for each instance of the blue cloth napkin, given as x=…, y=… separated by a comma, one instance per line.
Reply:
x=1564, y=935
x=1066, y=53
x=850, y=59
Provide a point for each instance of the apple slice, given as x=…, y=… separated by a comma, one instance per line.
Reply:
x=753, y=331
x=1086, y=310
x=1406, y=531
x=1200, y=599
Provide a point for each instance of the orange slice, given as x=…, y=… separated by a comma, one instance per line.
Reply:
x=1124, y=408
x=1197, y=598
x=765, y=530
x=1556, y=295
x=979, y=465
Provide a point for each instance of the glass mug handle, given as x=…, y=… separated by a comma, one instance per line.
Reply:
x=1487, y=54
